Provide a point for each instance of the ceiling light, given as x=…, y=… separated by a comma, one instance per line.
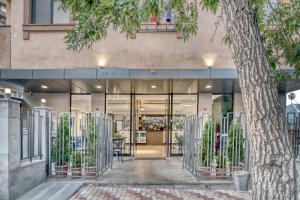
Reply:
x=44, y=86
x=142, y=109
x=208, y=86
x=187, y=105
x=7, y=90
x=43, y=100
x=98, y=86
x=153, y=86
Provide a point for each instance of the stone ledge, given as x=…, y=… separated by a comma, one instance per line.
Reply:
x=27, y=163
x=9, y=100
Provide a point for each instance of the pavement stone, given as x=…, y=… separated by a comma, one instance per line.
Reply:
x=122, y=192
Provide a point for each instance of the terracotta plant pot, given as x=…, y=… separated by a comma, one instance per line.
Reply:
x=91, y=171
x=61, y=171
x=236, y=168
x=76, y=172
x=220, y=173
x=204, y=172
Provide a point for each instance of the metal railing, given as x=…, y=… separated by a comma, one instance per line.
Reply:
x=215, y=145
x=80, y=144
x=293, y=128
x=31, y=134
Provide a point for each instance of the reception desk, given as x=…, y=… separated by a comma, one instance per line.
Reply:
x=155, y=137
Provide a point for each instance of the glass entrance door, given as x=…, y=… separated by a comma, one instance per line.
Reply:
x=151, y=125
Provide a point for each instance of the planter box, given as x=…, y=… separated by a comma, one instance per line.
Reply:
x=220, y=173
x=91, y=172
x=204, y=172
x=61, y=171
x=76, y=172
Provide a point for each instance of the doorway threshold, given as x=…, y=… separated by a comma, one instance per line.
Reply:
x=151, y=158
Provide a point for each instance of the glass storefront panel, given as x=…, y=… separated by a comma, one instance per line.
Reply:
x=81, y=103
x=151, y=86
x=185, y=86
x=222, y=103
x=118, y=107
x=183, y=105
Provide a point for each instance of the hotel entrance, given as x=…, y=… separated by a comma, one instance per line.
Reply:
x=150, y=115
x=151, y=119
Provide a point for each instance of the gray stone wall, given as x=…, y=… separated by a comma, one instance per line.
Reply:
x=25, y=178
x=16, y=177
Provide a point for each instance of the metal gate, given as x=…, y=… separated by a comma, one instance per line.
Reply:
x=80, y=144
x=293, y=128
x=215, y=145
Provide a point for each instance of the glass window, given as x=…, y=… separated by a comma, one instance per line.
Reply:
x=183, y=105
x=118, y=107
x=48, y=12
x=81, y=103
x=222, y=103
x=31, y=134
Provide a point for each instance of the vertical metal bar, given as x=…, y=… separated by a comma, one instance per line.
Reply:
x=32, y=137
x=40, y=136
x=22, y=133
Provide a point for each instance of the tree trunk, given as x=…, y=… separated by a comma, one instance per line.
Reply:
x=272, y=157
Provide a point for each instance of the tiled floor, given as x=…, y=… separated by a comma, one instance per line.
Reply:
x=93, y=192
x=151, y=150
x=148, y=171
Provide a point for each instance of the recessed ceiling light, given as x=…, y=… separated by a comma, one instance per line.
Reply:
x=208, y=86
x=153, y=86
x=187, y=105
x=43, y=100
x=98, y=86
x=44, y=86
x=142, y=109
x=7, y=90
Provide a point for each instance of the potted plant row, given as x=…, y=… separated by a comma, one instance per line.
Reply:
x=221, y=165
x=234, y=157
x=207, y=149
x=235, y=148
x=90, y=159
x=76, y=170
x=60, y=153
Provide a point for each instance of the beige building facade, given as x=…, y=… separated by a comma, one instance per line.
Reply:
x=154, y=75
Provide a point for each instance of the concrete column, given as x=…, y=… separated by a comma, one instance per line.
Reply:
x=9, y=144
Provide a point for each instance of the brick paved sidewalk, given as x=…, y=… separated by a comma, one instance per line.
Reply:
x=92, y=192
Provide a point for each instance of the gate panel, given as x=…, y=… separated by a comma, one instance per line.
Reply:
x=215, y=145
x=80, y=144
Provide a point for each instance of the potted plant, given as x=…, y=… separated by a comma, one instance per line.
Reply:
x=235, y=147
x=76, y=164
x=207, y=145
x=221, y=165
x=117, y=135
x=90, y=155
x=60, y=153
x=179, y=142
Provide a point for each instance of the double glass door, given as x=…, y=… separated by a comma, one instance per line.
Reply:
x=151, y=117
x=152, y=125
